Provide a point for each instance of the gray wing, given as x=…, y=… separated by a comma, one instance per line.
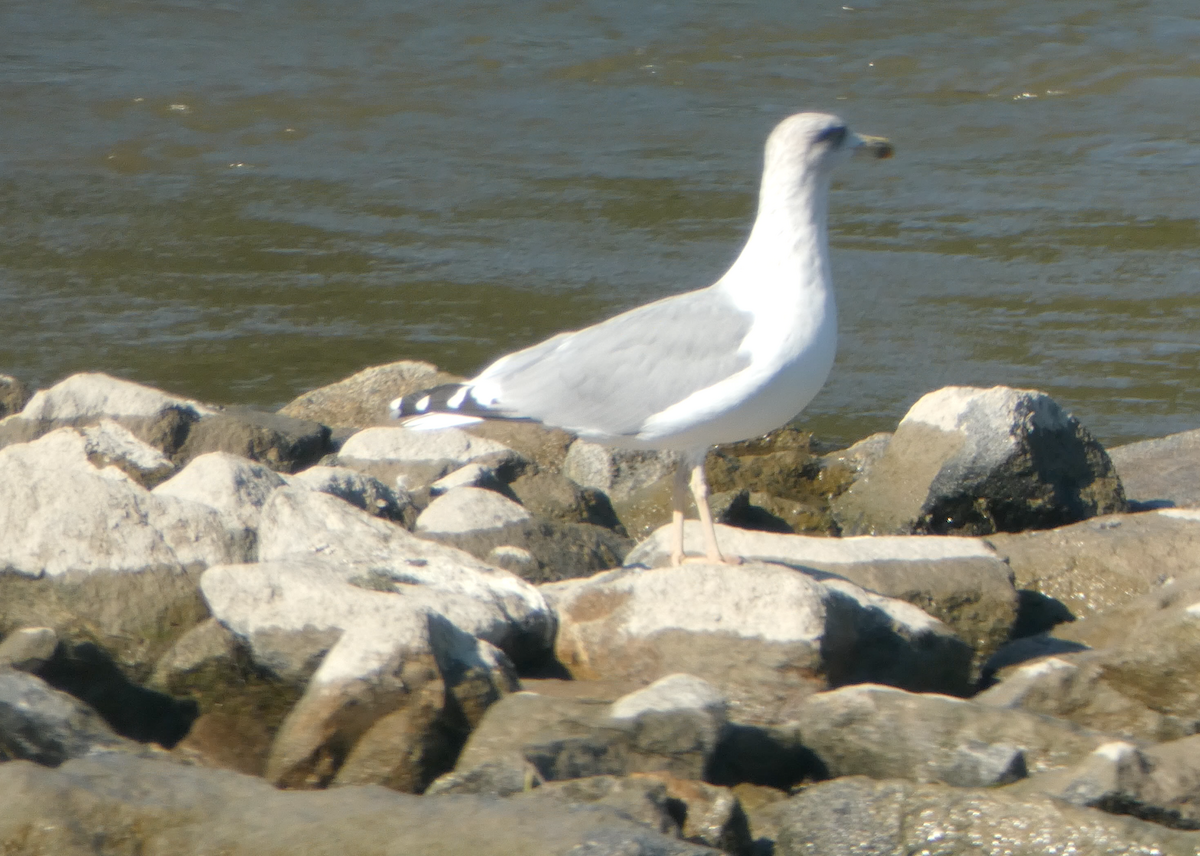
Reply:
x=611, y=377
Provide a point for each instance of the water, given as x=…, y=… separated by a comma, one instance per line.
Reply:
x=241, y=201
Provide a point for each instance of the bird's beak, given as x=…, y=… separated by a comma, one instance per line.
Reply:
x=876, y=147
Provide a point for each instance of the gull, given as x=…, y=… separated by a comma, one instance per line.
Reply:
x=725, y=363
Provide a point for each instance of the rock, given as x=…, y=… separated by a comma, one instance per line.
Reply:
x=1138, y=679
x=97, y=557
x=766, y=636
x=401, y=644
x=546, y=448
x=861, y=456
x=159, y=419
x=280, y=442
x=712, y=815
x=960, y=581
x=28, y=648
x=860, y=815
x=361, y=491
x=38, y=723
x=14, y=395
x=642, y=800
x=1102, y=563
x=239, y=706
x=555, y=497
x=362, y=399
x=469, y=509
x=109, y=444
x=1157, y=783
x=557, y=551
x=976, y=461
x=414, y=459
x=501, y=777
x=235, y=487
x=669, y=727
x=886, y=733
x=1161, y=472
x=619, y=473
x=472, y=475
x=159, y=809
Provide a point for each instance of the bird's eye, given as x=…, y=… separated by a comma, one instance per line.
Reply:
x=835, y=135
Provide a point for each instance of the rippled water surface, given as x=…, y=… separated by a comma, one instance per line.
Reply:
x=240, y=201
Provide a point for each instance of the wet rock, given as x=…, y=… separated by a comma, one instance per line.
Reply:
x=619, y=473
x=280, y=442
x=161, y=809
x=469, y=509
x=859, y=815
x=766, y=636
x=555, y=497
x=97, y=557
x=886, y=733
x=234, y=486
x=159, y=419
x=14, y=395
x=361, y=491
x=1105, y=562
x=671, y=726
x=28, y=648
x=41, y=724
x=1161, y=472
x=976, y=461
x=362, y=399
x=960, y=581
x=1137, y=681
x=1156, y=783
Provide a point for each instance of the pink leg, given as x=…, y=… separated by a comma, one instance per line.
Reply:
x=678, y=495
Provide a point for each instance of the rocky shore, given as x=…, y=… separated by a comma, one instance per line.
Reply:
x=309, y=632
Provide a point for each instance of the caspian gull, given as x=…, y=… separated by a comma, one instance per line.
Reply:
x=721, y=364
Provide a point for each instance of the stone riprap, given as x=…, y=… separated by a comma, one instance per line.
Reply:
x=186, y=588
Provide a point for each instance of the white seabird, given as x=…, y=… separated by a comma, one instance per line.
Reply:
x=725, y=363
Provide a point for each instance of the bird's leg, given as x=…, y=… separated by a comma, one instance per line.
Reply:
x=700, y=492
x=678, y=498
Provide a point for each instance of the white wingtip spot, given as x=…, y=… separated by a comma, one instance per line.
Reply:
x=422, y=403
x=455, y=401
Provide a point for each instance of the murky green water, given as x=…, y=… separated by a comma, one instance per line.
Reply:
x=243, y=200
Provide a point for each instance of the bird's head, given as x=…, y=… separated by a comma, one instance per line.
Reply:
x=813, y=143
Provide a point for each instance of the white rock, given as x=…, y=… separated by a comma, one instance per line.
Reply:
x=113, y=442
x=358, y=489
x=90, y=395
x=232, y=485
x=401, y=444
x=617, y=472
x=472, y=475
x=62, y=514
x=468, y=509
x=673, y=692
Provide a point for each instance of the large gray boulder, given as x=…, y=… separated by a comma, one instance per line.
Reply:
x=886, y=733
x=857, y=815
x=160, y=809
x=1134, y=675
x=1096, y=565
x=231, y=485
x=765, y=635
x=1161, y=472
x=362, y=399
x=961, y=581
x=1157, y=783
x=280, y=442
x=975, y=461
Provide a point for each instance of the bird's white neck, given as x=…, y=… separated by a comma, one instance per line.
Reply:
x=788, y=247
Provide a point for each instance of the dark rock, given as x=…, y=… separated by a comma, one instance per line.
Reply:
x=977, y=461
x=39, y=723
x=14, y=395
x=160, y=809
x=552, y=496
x=856, y=815
x=560, y=550
x=282, y=443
